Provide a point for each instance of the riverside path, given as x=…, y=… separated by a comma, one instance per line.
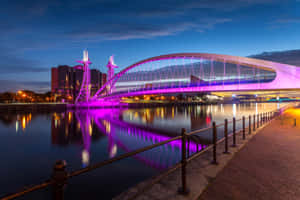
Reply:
x=268, y=167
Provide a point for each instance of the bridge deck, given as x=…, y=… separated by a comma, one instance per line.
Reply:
x=268, y=167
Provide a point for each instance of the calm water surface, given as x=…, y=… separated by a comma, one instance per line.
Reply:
x=32, y=142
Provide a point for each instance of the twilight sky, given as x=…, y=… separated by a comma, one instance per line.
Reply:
x=36, y=35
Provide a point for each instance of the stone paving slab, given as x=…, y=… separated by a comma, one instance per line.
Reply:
x=267, y=168
x=200, y=173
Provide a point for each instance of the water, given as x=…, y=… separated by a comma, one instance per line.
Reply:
x=32, y=142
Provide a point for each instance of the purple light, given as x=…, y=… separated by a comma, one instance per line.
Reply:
x=85, y=85
x=287, y=77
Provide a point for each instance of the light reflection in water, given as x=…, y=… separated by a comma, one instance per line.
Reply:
x=256, y=109
x=234, y=110
x=17, y=126
x=129, y=129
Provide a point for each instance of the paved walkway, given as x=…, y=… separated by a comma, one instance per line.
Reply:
x=200, y=173
x=268, y=167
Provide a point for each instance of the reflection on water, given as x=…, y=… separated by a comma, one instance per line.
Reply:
x=89, y=136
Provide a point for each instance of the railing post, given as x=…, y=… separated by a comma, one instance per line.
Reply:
x=244, y=131
x=60, y=177
x=254, y=123
x=249, y=124
x=183, y=189
x=226, y=135
x=257, y=123
x=234, y=134
x=214, y=161
x=261, y=119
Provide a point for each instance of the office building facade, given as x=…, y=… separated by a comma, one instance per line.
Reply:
x=66, y=81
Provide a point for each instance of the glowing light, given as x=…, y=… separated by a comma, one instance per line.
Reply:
x=287, y=76
x=85, y=157
x=147, y=98
x=293, y=111
x=113, y=151
x=23, y=122
x=256, y=109
x=90, y=129
x=17, y=126
x=85, y=55
x=234, y=110
x=173, y=112
x=70, y=116
x=107, y=126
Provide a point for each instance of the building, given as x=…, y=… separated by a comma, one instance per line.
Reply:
x=66, y=81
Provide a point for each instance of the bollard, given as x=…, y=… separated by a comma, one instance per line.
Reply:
x=261, y=119
x=234, y=134
x=215, y=144
x=183, y=190
x=60, y=177
x=295, y=122
x=244, y=134
x=249, y=124
x=254, y=123
x=226, y=135
x=257, y=123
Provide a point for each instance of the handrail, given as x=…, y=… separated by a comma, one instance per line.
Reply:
x=60, y=175
x=28, y=190
x=123, y=156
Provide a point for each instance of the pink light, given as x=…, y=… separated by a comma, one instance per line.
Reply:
x=287, y=76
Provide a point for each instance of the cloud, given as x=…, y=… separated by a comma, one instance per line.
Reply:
x=288, y=20
x=13, y=86
x=28, y=8
x=138, y=31
x=291, y=57
x=13, y=63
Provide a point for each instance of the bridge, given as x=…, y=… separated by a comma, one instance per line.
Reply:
x=190, y=73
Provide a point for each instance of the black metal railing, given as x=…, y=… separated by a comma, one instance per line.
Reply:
x=60, y=175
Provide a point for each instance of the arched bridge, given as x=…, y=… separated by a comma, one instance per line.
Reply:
x=198, y=72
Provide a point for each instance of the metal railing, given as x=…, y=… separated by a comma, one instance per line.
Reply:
x=60, y=175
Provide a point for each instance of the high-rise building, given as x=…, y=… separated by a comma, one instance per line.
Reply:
x=66, y=81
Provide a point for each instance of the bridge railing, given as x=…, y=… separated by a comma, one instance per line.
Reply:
x=59, y=177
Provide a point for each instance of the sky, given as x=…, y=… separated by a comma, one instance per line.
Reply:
x=36, y=35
